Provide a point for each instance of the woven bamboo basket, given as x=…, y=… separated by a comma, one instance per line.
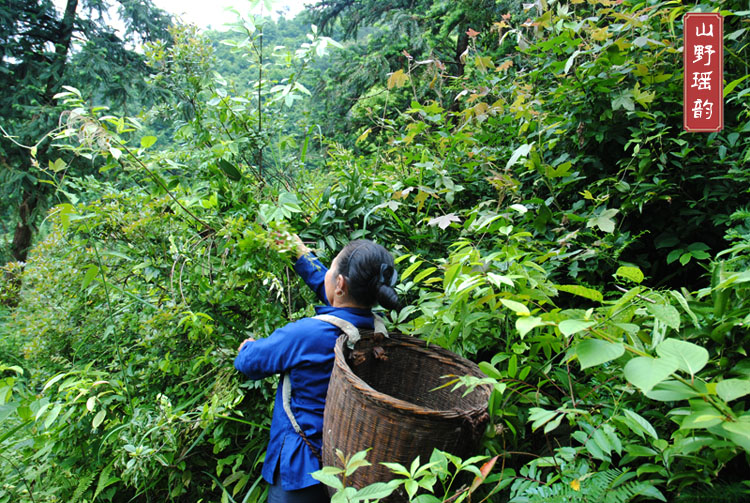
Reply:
x=382, y=395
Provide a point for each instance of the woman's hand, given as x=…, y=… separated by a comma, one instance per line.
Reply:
x=249, y=339
x=300, y=248
x=287, y=242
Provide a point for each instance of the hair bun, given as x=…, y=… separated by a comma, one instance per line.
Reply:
x=388, y=275
x=388, y=298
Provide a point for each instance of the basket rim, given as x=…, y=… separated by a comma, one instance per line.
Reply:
x=402, y=405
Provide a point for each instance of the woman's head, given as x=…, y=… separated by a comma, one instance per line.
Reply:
x=362, y=274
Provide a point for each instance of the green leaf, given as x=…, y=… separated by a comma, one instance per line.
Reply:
x=413, y=267
x=636, y=450
x=450, y=274
x=52, y=415
x=671, y=391
x=704, y=418
x=523, y=150
x=642, y=423
x=376, y=491
x=633, y=274
x=516, y=307
x=105, y=480
x=91, y=272
x=667, y=314
x=290, y=202
x=731, y=389
x=524, y=324
x=489, y=370
x=411, y=487
x=570, y=327
x=147, y=141
x=730, y=87
x=53, y=381
x=540, y=417
x=602, y=441
x=645, y=372
x=625, y=101
x=354, y=465
x=674, y=255
x=689, y=357
x=328, y=479
x=230, y=170
x=423, y=274
x=570, y=61
x=604, y=220
x=581, y=291
x=397, y=468
x=592, y=352
x=554, y=423
x=498, y=280
x=740, y=431
x=684, y=304
x=99, y=418
x=57, y=166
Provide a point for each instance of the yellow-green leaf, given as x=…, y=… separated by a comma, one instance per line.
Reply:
x=397, y=79
x=147, y=141
x=633, y=274
x=581, y=291
x=517, y=307
x=91, y=272
x=411, y=269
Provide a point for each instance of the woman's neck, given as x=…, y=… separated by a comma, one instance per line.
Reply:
x=347, y=303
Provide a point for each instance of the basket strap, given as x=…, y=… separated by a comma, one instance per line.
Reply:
x=379, y=325
x=352, y=332
x=286, y=394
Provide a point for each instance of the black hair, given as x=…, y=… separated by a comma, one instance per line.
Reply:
x=370, y=273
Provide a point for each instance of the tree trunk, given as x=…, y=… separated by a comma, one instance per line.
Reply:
x=32, y=195
x=461, y=45
x=23, y=233
x=62, y=47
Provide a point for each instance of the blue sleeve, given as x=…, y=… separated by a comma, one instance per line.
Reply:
x=287, y=347
x=313, y=273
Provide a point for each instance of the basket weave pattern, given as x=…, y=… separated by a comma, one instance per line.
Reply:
x=390, y=404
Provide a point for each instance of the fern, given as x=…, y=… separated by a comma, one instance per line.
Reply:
x=720, y=493
x=83, y=483
x=609, y=486
x=740, y=214
x=104, y=480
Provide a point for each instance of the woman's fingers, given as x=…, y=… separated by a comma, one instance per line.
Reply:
x=249, y=339
x=300, y=247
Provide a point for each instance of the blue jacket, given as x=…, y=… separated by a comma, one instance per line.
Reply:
x=304, y=349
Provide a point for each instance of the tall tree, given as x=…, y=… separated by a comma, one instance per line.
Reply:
x=389, y=32
x=44, y=49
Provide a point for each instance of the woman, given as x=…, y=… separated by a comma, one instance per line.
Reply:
x=361, y=275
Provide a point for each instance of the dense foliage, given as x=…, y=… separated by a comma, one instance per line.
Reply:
x=550, y=218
